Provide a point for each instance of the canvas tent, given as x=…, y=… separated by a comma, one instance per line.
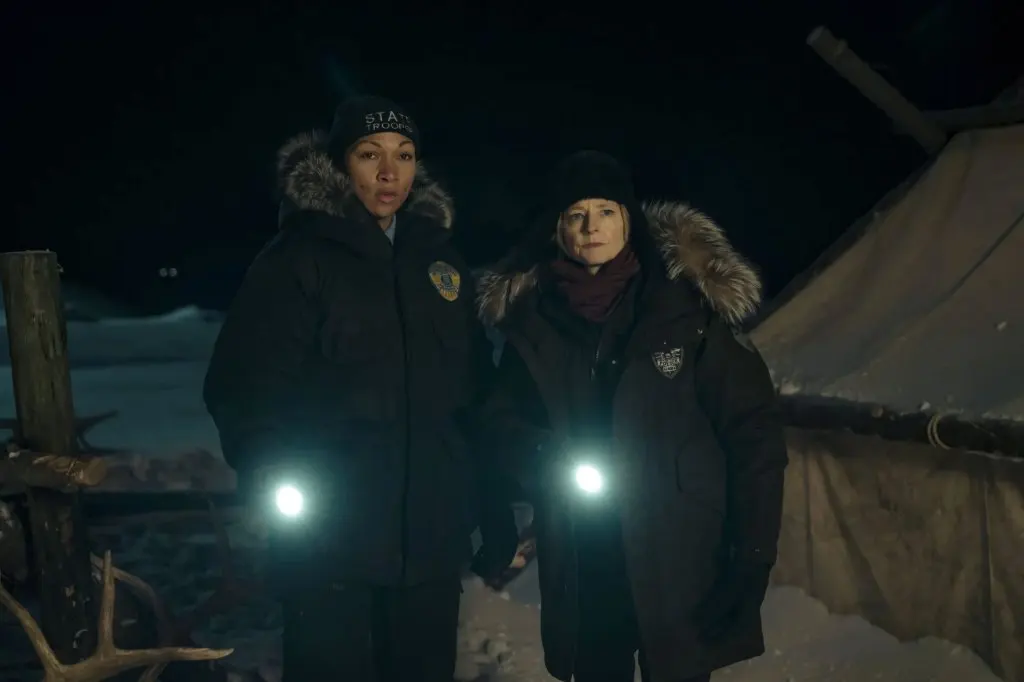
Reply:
x=919, y=314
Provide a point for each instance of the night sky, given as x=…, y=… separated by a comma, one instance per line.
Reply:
x=145, y=138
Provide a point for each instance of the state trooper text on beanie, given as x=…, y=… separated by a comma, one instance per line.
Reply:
x=364, y=115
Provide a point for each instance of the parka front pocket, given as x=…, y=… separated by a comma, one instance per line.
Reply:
x=454, y=358
x=702, y=479
x=459, y=475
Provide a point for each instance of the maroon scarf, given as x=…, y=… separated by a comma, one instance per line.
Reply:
x=593, y=297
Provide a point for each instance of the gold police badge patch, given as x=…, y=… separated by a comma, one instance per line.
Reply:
x=445, y=279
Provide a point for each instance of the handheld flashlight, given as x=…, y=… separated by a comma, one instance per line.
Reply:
x=589, y=479
x=289, y=500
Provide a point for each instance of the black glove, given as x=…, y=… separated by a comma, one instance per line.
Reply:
x=489, y=567
x=525, y=553
x=738, y=592
x=558, y=458
x=500, y=540
x=254, y=482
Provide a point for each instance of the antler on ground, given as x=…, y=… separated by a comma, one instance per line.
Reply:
x=175, y=630
x=107, y=660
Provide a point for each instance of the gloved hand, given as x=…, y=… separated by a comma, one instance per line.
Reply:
x=738, y=592
x=252, y=491
x=559, y=457
x=254, y=487
x=500, y=539
x=488, y=566
x=524, y=554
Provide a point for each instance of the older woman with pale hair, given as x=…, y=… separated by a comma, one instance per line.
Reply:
x=645, y=427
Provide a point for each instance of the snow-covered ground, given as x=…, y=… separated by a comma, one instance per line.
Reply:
x=499, y=638
x=151, y=371
x=804, y=644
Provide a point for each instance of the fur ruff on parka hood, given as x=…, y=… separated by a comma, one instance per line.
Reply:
x=308, y=178
x=692, y=247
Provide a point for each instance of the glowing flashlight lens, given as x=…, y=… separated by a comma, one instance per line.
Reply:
x=589, y=479
x=289, y=501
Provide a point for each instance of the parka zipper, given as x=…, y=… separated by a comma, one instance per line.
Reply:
x=406, y=457
x=576, y=557
x=597, y=359
x=574, y=649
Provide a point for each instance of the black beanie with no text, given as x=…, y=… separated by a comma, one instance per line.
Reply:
x=364, y=115
x=590, y=175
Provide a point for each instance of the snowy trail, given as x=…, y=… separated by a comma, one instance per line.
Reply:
x=804, y=644
x=500, y=633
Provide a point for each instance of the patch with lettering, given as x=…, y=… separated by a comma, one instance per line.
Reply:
x=668, y=362
x=389, y=122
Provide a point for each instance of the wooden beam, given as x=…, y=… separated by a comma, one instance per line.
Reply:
x=24, y=469
x=987, y=116
x=82, y=427
x=882, y=94
x=46, y=423
x=949, y=432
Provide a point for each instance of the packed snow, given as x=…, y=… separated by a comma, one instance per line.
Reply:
x=499, y=634
x=151, y=371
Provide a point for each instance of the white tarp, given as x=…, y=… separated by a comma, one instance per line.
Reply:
x=925, y=312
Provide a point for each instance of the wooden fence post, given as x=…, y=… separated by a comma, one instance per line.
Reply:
x=46, y=423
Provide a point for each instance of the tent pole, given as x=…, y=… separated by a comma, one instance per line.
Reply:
x=882, y=94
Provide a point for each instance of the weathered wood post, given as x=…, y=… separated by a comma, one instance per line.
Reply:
x=46, y=423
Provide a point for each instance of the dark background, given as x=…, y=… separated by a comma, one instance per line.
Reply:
x=142, y=139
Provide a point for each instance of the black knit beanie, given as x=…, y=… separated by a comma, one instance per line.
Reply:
x=590, y=175
x=364, y=115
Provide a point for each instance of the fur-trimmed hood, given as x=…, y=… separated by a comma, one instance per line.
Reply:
x=691, y=246
x=308, y=178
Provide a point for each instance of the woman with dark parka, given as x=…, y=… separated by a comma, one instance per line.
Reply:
x=341, y=377
x=643, y=424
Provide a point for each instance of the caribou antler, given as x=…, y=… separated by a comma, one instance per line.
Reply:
x=107, y=661
x=175, y=630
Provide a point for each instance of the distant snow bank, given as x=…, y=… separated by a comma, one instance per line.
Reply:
x=150, y=371
x=76, y=314
x=183, y=335
x=189, y=313
x=86, y=304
